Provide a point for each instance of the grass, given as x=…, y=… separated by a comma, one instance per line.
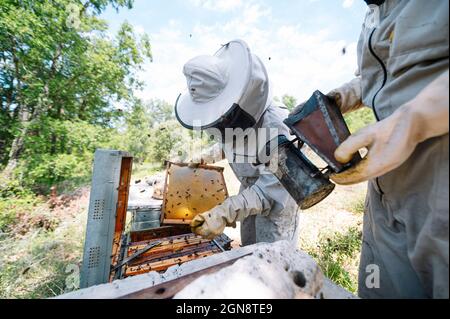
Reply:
x=337, y=256
x=37, y=265
x=38, y=261
x=357, y=206
x=41, y=248
x=331, y=233
x=145, y=169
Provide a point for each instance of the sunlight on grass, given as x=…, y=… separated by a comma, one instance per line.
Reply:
x=336, y=255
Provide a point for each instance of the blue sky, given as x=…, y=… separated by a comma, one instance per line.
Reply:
x=302, y=38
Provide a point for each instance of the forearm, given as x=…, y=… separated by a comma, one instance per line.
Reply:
x=249, y=202
x=431, y=108
x=348, y=96
x=235, y=208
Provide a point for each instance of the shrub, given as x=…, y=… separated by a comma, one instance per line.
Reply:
x=43, y=171
x=359, y=119
x=357, y=206
x=335, y=252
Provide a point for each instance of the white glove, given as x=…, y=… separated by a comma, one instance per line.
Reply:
x=348, y=96
x=211, y=155
x=235, y=208
x=392, y=141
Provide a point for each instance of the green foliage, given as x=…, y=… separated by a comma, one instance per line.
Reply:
x=45, y=170
x=61, y=77
x=14, y=199
x=167, y=138
x=359, y=119
x=68, y=156
x=137, y=133
x=40, y=264
x=334, y=252
x=7, y=129
x=357, y=205
x=12, y=207
x=289, y=101
x=140, y=134
x=159, y=111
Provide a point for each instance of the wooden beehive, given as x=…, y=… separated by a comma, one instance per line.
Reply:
x=188, y=191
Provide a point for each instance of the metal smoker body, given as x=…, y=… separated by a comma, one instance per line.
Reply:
x=320, y=125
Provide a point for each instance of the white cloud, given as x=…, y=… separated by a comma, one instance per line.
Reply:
x=348, y=3
x=300, y=62
x=252, y=13
x=219, y=5
x=139, y=29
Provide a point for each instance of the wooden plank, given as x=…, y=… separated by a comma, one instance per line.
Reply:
x=136, y=254
x=158, y=233
x=170, y=288
x=121, y=213
x=173, y=241
x=185, y=236
x=177, y=221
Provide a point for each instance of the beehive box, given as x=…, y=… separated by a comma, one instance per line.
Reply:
x=188, y=191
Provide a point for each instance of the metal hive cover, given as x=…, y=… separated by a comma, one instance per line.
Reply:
x=190, y=191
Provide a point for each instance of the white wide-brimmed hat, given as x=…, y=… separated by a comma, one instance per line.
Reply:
x=227, y=90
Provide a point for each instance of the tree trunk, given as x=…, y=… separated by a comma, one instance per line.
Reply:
x=17, y=144
x=25, y=117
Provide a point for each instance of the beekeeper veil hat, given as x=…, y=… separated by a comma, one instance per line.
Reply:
x=227, y=90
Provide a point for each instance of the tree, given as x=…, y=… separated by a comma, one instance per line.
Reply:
x=289, y=101
x=168, y=139
x=360, y=118
x=58, y=65
x=138, y=124
x=160, y=111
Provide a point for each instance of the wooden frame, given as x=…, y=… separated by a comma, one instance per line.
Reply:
x=166, y=194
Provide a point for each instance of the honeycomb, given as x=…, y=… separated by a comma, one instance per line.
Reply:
x=190, y=191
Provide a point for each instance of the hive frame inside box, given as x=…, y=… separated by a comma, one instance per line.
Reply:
x=173, y=230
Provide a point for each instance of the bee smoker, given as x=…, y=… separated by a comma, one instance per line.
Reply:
x=320, y=125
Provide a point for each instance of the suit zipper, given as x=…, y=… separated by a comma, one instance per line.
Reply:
x=379, y=90
x=384, y=74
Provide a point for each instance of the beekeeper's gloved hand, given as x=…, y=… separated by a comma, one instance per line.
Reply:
x=391, y=141
x=235, y=208
x=210, y=155
x=347, y=97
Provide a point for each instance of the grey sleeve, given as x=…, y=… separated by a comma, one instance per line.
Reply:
x=272, y=195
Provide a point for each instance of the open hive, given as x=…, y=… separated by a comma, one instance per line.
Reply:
x=188, y=191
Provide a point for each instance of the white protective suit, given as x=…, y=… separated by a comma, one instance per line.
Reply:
x=230, y=91
x=263, y=206
x=268, y=212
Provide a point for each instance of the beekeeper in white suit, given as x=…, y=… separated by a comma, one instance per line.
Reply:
x=229, y=94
